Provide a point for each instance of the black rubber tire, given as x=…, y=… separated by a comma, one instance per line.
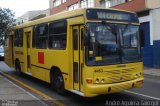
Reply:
x=18, y=68
x=58, y=83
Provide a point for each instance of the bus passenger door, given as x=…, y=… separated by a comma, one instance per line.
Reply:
x=28, y=60
x=77, y=31
x=8, y=50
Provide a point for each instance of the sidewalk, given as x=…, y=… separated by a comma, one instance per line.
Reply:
x=152, y=71
x=13, y=95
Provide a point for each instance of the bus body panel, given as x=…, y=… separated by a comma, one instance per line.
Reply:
x=8, y=49
x=90, y=80
x=117, y=77
x=19, y=56
x=101, y=89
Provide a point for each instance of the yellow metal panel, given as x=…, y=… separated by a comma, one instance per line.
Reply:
x=63, y=59
x=8, y=51
x=28, y=29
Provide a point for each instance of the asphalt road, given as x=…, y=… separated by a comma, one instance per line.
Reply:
x=148, y=95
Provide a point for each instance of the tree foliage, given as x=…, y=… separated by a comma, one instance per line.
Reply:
x=7, y=21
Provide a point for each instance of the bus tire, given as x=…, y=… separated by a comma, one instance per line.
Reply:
x=58, y=82
x=18, y=68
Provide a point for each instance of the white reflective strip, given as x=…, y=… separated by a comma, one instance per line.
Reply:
x=77, y=92
x=142, y=95
x=28, y=73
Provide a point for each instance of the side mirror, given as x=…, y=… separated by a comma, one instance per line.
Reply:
x=86, y=39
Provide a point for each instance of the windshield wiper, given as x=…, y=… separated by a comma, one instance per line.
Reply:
x=126, y=27
x=104, y=23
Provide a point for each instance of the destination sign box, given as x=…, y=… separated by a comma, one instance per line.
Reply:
x=111, y=15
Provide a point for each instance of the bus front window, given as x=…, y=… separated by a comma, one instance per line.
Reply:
x=130, y=43
x=104, y=44
x=112, y=44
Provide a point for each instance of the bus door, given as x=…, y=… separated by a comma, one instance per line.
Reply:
x=28, y=59
x=11, y=50
x=9, y=56
x=77, y=33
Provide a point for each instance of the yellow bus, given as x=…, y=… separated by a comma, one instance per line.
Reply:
x=89, y=52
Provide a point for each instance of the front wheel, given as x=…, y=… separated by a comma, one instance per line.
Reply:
x=58, y=83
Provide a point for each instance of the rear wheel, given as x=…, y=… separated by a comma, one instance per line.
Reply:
x=18, y=69
x=58, y=82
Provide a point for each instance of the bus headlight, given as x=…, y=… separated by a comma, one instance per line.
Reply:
x=97, y=80
x=102, y=81
x=136, y=76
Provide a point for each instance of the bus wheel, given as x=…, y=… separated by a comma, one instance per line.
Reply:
x=58, y=83
x=18, y=69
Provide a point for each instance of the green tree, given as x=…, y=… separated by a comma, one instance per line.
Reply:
x=7, y=21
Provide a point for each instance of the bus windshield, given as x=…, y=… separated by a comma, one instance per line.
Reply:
x=112, y=44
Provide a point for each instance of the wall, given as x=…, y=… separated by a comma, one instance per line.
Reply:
x=156, y=53
x=97, y=3
x=30, y=15
x=62, y=7
x=135, y=5
x=156, y=36
x=151, y=51
x=151, y=4
x=147, y=50
x=148, y=19
x=156, y=23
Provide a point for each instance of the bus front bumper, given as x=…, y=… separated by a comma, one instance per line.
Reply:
x=99, y=89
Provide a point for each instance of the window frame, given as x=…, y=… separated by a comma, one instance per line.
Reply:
x=17, y=37
x=38, y=36
x=60, y=34
x=34, y=37
x=20, y=37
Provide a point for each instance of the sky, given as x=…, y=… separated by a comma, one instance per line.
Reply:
x=22, y=6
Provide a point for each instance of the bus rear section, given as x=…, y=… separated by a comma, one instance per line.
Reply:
x=8, y=50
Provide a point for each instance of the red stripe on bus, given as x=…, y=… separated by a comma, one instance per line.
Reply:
x=41, y=57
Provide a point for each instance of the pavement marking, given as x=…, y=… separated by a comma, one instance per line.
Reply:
x=46, y=97
x=27, y=92
x=142, y=95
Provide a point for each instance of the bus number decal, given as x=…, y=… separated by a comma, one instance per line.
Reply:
x=41, y=57
x=99, y=70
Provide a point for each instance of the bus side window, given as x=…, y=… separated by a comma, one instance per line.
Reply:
x=82, y=38
x=16, y=38
x=41, y=36
x=75, y=39
x=57, y=35
x=20, y=37
x=34, y=37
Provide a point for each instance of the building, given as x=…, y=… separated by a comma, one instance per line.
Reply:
x=147, y=10
x=111, y=3
x=57, y=6
x=32, y=15
x=149, y=16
